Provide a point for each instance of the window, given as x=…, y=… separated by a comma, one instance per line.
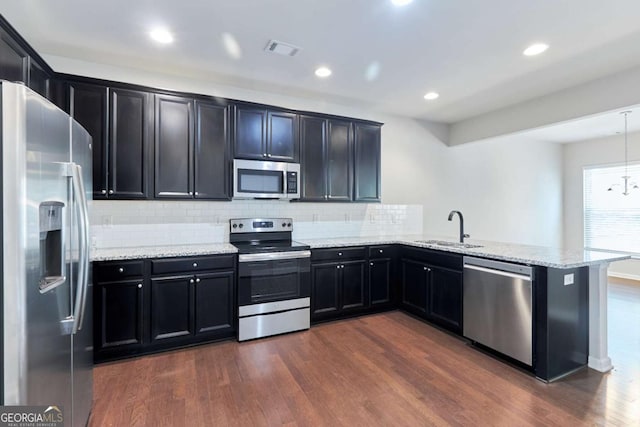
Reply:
x=611, y=219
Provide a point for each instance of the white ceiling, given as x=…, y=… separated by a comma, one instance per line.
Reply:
x=468, y=51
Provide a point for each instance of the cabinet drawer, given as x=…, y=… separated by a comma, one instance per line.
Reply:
x=381, y=251
x=338, y=253
x=436, y=258
x=188, y=264
x=109, y=271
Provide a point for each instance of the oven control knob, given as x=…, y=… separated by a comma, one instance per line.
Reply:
x=289, y=225
x=284, y=224
x=241, y=225
x=235, y=225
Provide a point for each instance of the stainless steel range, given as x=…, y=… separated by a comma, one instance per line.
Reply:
x=274, y=287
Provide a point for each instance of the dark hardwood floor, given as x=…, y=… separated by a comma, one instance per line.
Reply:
x=385, y=369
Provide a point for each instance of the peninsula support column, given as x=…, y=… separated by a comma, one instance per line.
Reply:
x=598, y=345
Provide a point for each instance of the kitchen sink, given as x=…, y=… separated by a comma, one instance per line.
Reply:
x=450, y=244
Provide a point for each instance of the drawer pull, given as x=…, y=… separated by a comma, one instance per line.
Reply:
x=195, y=264
x=380, y=250
x=197, y=280
x=339, y=253
x=371, y=264
x=121, y=270
x=139, y=285
x=191, y=281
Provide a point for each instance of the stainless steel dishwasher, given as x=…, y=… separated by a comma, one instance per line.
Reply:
x=497, y=306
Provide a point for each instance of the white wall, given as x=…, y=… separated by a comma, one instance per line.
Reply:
x=576, y=156
x=509, y=190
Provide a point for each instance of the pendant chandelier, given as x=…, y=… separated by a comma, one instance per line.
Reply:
x=627, y=184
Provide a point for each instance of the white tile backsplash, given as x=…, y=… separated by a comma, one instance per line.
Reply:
x=153, y=223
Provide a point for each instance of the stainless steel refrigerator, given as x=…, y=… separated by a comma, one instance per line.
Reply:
x=46, y=275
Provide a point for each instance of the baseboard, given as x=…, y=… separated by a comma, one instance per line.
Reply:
x=600, y=365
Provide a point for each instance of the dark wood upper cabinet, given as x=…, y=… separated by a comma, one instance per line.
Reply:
x=130, y=136
x=313, y=138
x=366, y=165
x=192, y=149
x=88, y=104
x=339, y=161
x=39, y=79
x=282, y=136
x=14, y=61
x=120, y=123
x=251, y=133
x=212, y=152
x=326, y=159
x=262, y=134
x=174, y=142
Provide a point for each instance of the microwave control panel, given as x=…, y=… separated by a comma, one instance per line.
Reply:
x=292, y=182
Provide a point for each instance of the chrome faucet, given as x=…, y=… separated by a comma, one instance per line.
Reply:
x=462, y=235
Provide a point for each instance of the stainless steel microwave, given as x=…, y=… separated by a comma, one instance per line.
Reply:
x=255, y=179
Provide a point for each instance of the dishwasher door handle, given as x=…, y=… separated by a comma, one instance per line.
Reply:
x=498, y=272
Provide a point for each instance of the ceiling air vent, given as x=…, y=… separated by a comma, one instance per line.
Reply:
x=286, y=49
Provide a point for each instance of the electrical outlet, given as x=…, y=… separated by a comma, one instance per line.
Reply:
x=568, y=279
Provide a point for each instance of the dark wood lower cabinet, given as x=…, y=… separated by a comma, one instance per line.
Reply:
x=380, y=282
x=337, y=288
x=214, y=303
x=415, y=278
x=171, y=307
x=445, y=298
x=354, y=289
x=119, y=314
x=145, y=313
x=325, y=288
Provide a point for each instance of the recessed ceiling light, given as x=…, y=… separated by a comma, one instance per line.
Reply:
x=430, y=96
x=535, y=49
x=400, y=2
x=161, y=35
x=323, y=72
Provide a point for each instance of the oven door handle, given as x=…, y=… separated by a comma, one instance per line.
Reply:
x=274, y=256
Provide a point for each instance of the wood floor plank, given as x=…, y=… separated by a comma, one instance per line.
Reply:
x=384, y=369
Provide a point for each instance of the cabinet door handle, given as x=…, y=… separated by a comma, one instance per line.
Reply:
x=264, y=155
x=121, y=270
x=197, y=280
x=104, y=191
x=191, y=281
x=339, y=253
x=110, y=191
x=139, y=285
x=338, y=267
x=371, y=264
x=191, y=193
x=196, y=193
x=195, y=264
x=426, y=269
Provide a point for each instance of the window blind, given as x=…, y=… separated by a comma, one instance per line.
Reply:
x=611, y=219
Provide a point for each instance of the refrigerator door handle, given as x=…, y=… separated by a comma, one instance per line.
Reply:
x=83, y=237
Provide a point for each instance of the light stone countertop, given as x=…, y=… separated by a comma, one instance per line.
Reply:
x=525, y=254
x=167, y=251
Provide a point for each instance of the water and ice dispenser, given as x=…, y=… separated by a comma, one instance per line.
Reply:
x=52, y=251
